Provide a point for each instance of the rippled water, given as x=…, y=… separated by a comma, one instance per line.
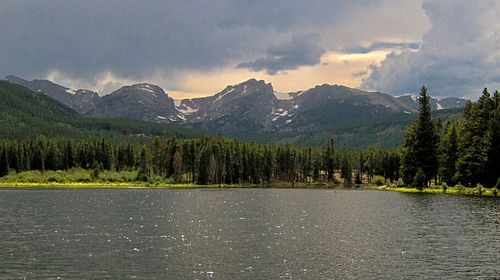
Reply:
x=247, y=234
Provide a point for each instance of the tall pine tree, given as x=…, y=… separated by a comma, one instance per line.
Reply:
x=420, y=146
x=4, y=162
x=448, y=154
x=475, y=140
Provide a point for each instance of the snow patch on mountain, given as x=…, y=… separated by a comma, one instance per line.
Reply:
x=278, y=113
x=223, y=94
x=184, y=107
x=146, y=88
x=188, y=110
x=283, y=95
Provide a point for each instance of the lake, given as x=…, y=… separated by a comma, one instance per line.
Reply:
x=246, y=234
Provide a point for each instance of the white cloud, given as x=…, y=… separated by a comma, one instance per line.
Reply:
x=459, y=55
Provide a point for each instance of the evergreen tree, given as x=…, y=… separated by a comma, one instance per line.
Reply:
x=475, y=140
x=177, y=164
x=361, y=167
x=420, y=146
x=316, y=166
x=69, y=156
x=144, y=166
x=38, y=162
x=106, y=155
x=371, y=162
x=268, y=165
x=448, y=151
x=203, y=166
x=4, y=162
x=329, y=160
x=346, y=171
x=14, y=157
x=357, y=179
x=492, y=166
x=52, y=161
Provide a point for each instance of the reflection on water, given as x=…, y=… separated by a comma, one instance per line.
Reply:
x=246, y=234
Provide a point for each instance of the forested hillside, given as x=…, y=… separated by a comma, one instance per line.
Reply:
x=24, y=114
x=465, y=151
x=207, y=160
x=254, y=111
x=384, y=132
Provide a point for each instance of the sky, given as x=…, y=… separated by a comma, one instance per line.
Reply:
x=196, y=47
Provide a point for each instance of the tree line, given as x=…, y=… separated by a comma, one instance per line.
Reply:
x=207, y=160
x=464, y=152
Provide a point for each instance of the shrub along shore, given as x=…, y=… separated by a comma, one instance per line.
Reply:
x=457, y=190
x=79, y=178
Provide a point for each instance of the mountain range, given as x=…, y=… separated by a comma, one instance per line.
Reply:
x=25, y=114
x=250, y=110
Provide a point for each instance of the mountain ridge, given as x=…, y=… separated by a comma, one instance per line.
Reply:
x=254, y=110
x=79, y=100
x=27, y=114
x=142, y=101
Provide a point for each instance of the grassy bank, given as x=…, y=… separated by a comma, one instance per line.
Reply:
x=82, y=178
x=449, y=190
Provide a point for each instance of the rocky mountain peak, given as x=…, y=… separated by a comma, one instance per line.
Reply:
x=14, y=79
x=79, y=100
x=139, y=101
x=147, y=89
x=249, y=87
x=436, y=104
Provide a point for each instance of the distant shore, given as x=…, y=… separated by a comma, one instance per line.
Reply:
x=81, y=179
x=146, y=185
x=437, y=190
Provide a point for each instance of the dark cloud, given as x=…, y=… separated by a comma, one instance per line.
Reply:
x=378, y=45
x=135, y=38
x=298, y=51
x=130, y=38
x=458, y=56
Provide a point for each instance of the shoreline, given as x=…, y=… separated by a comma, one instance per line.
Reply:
x=436, y=190
x=145, y=185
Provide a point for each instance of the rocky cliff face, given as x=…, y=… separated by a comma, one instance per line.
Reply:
x=242, y=106
x=249, y=107
x=79, y=100
x=436, y=104
x=140, y=101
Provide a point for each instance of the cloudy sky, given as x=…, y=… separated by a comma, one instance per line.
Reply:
x=196, y=47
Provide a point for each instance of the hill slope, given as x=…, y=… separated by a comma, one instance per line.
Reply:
x=79, y=100
x=140, y=102
x=252, y=110
x=24, y=114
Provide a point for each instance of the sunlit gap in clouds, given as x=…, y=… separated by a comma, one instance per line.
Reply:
x=335, y=68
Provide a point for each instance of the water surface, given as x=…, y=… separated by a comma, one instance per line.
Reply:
x=246, y=234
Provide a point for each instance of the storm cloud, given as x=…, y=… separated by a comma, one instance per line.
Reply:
x=298, y=51
x=102, y=45
x=135, y=38
x=459, y=55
